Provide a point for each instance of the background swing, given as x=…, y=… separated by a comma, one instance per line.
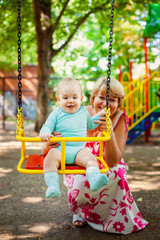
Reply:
x=34, y=163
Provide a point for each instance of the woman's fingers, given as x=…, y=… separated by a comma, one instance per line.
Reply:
x=53, y=145
x=100, y=122
x=56, y=134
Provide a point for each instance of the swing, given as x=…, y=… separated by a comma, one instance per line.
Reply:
x=34, y=163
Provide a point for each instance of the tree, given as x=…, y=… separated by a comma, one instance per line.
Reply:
x=127, y=44
x=8, y=36
x=63, y=19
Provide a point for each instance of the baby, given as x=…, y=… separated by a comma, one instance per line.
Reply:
x=71, y=120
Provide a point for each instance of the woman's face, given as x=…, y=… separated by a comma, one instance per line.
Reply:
x=99, y=103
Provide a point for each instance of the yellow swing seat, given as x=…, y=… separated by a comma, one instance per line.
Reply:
x=31, y=167
x=34, y=167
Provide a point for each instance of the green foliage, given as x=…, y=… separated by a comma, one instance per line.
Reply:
x=153, y=21
x=128, y=42
x=8, y=36
x=89, y=46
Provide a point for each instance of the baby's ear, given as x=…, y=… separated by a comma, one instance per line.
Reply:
x=57, y=99
x=81, y=98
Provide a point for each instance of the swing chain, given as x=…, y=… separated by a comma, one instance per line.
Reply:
x=110, y=54
x=20, y=120
x=19, y=54
x=108, y=125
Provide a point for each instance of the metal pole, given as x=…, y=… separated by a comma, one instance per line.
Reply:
x=3, y=104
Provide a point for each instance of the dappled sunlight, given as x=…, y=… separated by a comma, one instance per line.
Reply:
x=128, y=149
x=156, y=147
x=29, y=236
x=24, y=236
x=4, y=171
x=32, y=199
x=5, y=197
x=1, y=138
x=17, y=144
x=156, y=164
x=30, y=146
x=7, y=146
x=41, y=228
x=148, y=181
x=2, y=175
x=147, y=186
x=36, y=231
x=153, y=173
x=7, y=236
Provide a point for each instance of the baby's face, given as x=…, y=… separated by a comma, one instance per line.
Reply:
x=70, y=98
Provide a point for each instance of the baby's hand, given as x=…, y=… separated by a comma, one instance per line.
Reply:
x=102, y=113
x=102, y=121
x=45, y=137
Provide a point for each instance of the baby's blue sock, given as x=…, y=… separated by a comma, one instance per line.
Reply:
x=52, y=181
x=95, y=178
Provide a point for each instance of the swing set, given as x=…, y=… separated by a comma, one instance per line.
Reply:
x=34, y=163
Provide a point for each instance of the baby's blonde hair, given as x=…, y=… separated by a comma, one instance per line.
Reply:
x=116, y=89
x=68, y=80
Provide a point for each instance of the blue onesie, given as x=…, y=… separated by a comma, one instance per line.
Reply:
x=70, y=125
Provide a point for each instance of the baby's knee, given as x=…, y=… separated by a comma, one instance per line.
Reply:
x=91, y=161
x=52, y=157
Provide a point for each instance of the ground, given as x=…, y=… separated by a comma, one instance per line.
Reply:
x=26, y=214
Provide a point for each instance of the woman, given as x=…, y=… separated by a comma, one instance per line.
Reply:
x=111, y=208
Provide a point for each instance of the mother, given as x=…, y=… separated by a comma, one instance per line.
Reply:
x=112, y=208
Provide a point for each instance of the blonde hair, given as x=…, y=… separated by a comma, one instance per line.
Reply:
x=116, y=89
x=68, y=80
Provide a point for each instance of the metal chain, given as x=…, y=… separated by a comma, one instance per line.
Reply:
x=110, y=54
x=19, y=54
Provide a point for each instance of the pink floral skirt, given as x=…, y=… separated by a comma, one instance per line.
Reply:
x=110, y=209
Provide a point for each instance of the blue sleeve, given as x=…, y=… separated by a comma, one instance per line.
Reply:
x=49, y=125
x=90, y=124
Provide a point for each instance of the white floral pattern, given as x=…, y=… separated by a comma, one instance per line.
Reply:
x=110, y=209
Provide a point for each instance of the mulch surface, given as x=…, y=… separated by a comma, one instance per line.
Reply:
x=25, y=213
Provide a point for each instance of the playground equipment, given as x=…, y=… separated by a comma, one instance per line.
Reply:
x=142, y=102
x=142, y=105
x=35, y=162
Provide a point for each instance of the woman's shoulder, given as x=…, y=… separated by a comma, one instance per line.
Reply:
x=120, y=118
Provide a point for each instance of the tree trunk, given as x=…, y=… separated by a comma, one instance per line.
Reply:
x=42, y=93
x=42, y=16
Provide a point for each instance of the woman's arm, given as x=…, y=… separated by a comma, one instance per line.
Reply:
x=114, y=148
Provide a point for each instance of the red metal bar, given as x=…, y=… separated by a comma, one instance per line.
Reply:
x=3, y=104
x=132, y=97
x=146, y=86
x=120, y=73
x=130, y=71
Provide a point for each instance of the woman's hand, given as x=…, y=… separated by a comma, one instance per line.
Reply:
x=48, y=145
